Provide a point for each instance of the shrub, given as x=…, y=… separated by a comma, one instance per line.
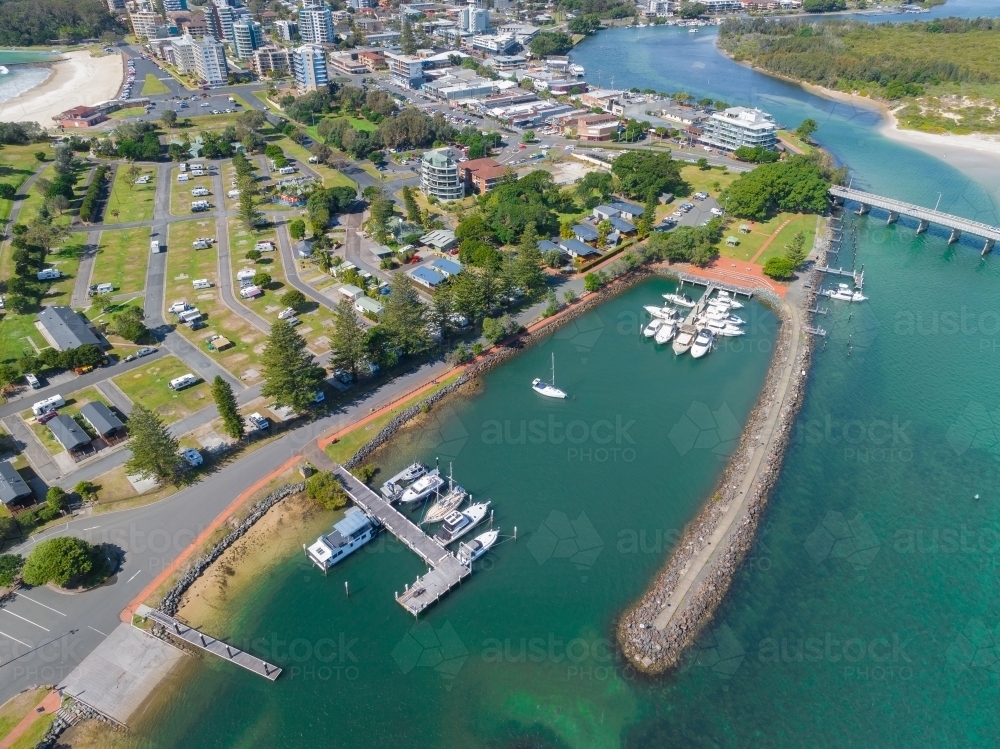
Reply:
x=10, y=566
x=325, y=489
x=297, y=228
x=60, y=561
x=56, y=498
x=366, y=473
x=294, y=299
x=262, y=279
x=779, y=268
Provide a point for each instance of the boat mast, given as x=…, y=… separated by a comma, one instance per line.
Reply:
x=553, y=369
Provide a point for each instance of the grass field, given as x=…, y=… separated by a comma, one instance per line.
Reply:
x=121, y=259
x=185, y=264
x=331, y=177
x=148, y=386
x=17, y=333
x=760, y=232
x=35, y=199
x=74, y=402
x=36, y=731
x=67, y=260
x=151, y=86
x=132, y=204
x=795, y=141
x=706, y=181
x=17, y=163
x=127, y=112
x=180, y=193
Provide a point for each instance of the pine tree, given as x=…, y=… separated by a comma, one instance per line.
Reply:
x=290, y=376
x=225, y=401
x=440, y=310
x=247, y=211
x=404, y=316
x=407, y=42
x=530, y=275
x=154, y=450
x=349, y=340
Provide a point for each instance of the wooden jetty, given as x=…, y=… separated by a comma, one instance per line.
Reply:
x=445, y=570
x=858, y=276
x=713, y=284
x=214, y=646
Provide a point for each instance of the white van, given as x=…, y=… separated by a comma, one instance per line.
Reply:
x=48, y=274
x=201, y=283
x=49, y=404
x=246, y=274
x=154, y=245
x=182, y=382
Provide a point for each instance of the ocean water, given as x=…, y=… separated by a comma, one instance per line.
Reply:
x=867, y=613
x=22, y=75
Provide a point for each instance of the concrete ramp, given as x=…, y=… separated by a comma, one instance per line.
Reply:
x=118, y=676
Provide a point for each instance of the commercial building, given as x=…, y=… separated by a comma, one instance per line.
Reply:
x=248, y=36
x=506, y=63
x=12, y=487
x=739, y=126
x=500, y=44
x=272, y=60
x=309, y=68
x=286, y=29
x=384, y=38
x=80, y=116
x=473, y=20
x=144, y=23
x=606, y=99
x=523, y=32
x=372, y=60
x=347, y=62
x=439, y=175
x=316, y=25
x=405, y=70
x=597, y=127
x=482, y=175
x=65, y=329
x=205, y=58
x=115, y=5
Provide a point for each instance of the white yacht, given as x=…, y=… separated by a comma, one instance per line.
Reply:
x=470, y=552
x=692, y=31
x=664, y=313
x=444, y=506
x=654, y=325
x=702, y=343
x=458, y=523
x=392, y=488
x=423, y=487
x=717, y=313
x=845, y=293
x=725, y=298
x=667, y=331
x=720, y=328
x=548, y=389
x=682, y=300
x=685, y=339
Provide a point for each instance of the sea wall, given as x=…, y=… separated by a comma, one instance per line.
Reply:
x=654, y=650
x=171, y=601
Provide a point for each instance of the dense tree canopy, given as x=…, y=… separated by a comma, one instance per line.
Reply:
x=548, y=43
x=32, y=22
x=61, y=561
x=645, y=174
x=798, y=184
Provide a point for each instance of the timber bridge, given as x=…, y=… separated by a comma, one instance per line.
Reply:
x=925, y=216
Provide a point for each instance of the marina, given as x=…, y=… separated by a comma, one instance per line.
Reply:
x=696, y=328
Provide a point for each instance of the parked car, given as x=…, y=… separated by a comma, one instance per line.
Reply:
x=144, y=351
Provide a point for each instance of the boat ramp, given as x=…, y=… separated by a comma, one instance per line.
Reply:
x=445, y=571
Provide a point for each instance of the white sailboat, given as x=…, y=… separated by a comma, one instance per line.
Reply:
x=548, y=389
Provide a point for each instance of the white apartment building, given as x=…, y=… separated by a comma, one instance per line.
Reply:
x=271, y=59
x=205, y=57
x=439, y=175
x=285, y=29
x=144, y=23
x=115, y=5
x=309, y=67
x=248, y=36
x=739, y=126
x=316, y=25
x=406, y=70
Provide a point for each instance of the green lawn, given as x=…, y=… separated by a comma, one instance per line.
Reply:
x=184, y=264
x=331, y=177
x=67, y=260
x=760, y=231
x=33, y=736
x=15, y=330
x=17, y=163
x=795, y=141
x=35, y=199
x=122, y=114
x=121, y=259
x=180, y=193
x=132, y=204
x=705, y=181
x=148, y=386
x=74, y=402
x=152, y=86
x=16, y=708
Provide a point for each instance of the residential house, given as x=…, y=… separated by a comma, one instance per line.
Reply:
x=13, y=488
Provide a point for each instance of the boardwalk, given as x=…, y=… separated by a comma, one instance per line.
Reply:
x=925, y=216
x=446, y=571
x=215, y=647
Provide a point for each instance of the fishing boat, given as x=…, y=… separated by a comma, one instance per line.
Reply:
x=423, y=487
x=664, y=313
x=444, y=505
x=845, y=293
x=548, y=389
x=654, y=325
x=460, y=522
x=685, y=339
x=702, y=343
x=4, y=70
x=470, y=552
x=682, y=300
x=667, y=331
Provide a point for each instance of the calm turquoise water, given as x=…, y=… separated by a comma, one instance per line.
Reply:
x=867, y=614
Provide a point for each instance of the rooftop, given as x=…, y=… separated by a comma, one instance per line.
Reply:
x=70, y=434
x=12, y=486
x=101, y=418
x=66, y=328
x=427, y=276
x=448, y=267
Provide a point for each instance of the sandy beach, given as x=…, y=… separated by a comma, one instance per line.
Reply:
x=76, y=79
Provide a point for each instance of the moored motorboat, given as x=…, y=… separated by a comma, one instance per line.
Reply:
x=685, y=339
x=680, y=299
x=460, y=522
x=470, y=552
x=725, y=297
x=654, y=325
x=423, y=487
x=664, y=313
x=702, y=343
x=845, y=293
x=667, y=331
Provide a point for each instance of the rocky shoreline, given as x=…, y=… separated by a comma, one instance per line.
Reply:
x=653, y=651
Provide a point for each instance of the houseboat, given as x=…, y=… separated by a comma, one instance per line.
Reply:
x=352, y=532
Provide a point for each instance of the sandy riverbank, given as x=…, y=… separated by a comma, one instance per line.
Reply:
x=76, y=79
